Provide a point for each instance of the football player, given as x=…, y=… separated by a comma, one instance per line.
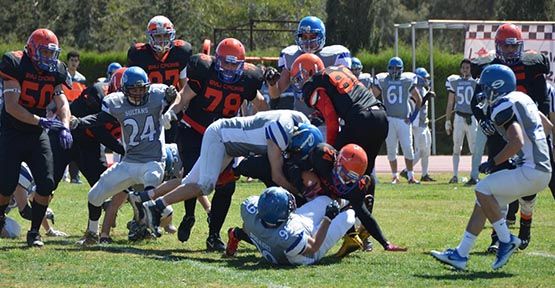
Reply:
x=138, y=109
x=32, y=79
x=461, y=89
x=517, y=118
x=419, y=121
x=530, y=68
x=364, y=78
x=310, y=37
x=216, y=88
x=395, y=89
x=163, y=57
x=268, y=132
x=287, y=235
x=337, y=93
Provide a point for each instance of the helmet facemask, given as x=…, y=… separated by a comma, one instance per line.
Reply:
x=230, y=68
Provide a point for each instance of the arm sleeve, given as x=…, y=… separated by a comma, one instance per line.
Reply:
x=105, y=137
x=96, y=120
x=323, y=103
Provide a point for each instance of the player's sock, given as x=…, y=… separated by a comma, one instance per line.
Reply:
x=502, y=230
x=220, y=206
x=26, y=212
x=160, y=204
x=94, y=212
x=38, y=211
x=395, y=174
x=190, y=207
x=467, y=242
x=93, y=226
x=241, y=235
x=456, y=160
x=410, y=174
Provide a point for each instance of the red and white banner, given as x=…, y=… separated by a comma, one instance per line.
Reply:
x=480, y=41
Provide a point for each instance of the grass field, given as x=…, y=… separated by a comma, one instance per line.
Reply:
x=422, y=217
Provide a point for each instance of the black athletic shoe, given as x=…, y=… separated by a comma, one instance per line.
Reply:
x=215, y=243
x=34, y=239
x=185, y=227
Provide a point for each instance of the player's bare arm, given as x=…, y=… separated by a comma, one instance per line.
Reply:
x=259, y=103
x=63, y=112
x=449, y=112
x=314, y=244
x=417, y=97
x=276, y=164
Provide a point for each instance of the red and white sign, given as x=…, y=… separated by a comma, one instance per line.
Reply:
x=480, y=41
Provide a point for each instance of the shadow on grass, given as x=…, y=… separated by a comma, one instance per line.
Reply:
x=466, y=275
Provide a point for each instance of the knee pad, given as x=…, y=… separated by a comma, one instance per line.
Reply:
x=153, y=178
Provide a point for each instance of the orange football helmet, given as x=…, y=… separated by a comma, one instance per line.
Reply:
x=508, y=35
x=115, y=81
x=350, y=166
x=303, y=68
x=230, y=60
x=43, y=49
x=160, y=33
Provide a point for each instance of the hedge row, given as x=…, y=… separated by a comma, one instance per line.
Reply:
x=93, y=65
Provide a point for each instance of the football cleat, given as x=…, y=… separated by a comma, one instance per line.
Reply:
x=170, y=228
x=351, y=243
x=493, y=247
x=50, y=215
x=451, y=257
x=505, y=251
x=413, y=181
x=395, y=180
x=471, y=182
x=138, y=210
x=106, y=240
x=215, y=243
x=454, y=180
x=232, y=243
x=367, y=245
x=404, y=174
x=88, y=239
x=2, y=222
x=394, y=248
x=185, y=227
x=153, y=216
x=427, y=178
x=137, y=231
x=34, y=239
x=55, y=233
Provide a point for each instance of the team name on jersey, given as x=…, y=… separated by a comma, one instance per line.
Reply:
x=224, y=86
x=163, y=66
x=48, y=78
x=136, y=111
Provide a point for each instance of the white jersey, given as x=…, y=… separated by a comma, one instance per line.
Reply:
x=365, y=79
x=519, y=107
x=463, y=89
x=334, y=55
x=551, y=95
x=244, y=136
x=421, y=119
x=396, y=93
x=142, y=133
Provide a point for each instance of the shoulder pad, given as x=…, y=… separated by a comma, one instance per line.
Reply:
x=409, y=75
x=450, y=79
x=538, y=60
x=179, y=42
x=502, y=112
x=253, y=71
x=140, y=46
x=453, y=77
x=334, y=49
x=199, y=63
x=17, y=54
x=290, y=50
x=322, y=159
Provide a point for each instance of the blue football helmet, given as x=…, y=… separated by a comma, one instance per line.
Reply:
x=305, y=137
x=423, y=74
x=311, y=25
x=173, y=162
x=356, y=66
x=111, y=69
x=395, y=67
x=497, y=80
x=135, y=77
x=275, y=205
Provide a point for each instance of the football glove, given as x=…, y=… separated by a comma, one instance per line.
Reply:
x=54, y=124
x=332, y=210
x=487, y=167
x=448, y=127
x=167, y=119
x=171, y=94
x=66, y=140
x=271, y=75
x=487, y=127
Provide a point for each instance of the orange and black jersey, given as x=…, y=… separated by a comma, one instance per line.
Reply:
x=337, y=93
x=530, y=78
x=37, y=87
x=215, y=99
x=164, y=70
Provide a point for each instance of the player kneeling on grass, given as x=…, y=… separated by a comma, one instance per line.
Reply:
x=517, y=118
x=286, y=235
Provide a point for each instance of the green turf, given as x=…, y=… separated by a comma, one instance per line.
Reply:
x=422, y=217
